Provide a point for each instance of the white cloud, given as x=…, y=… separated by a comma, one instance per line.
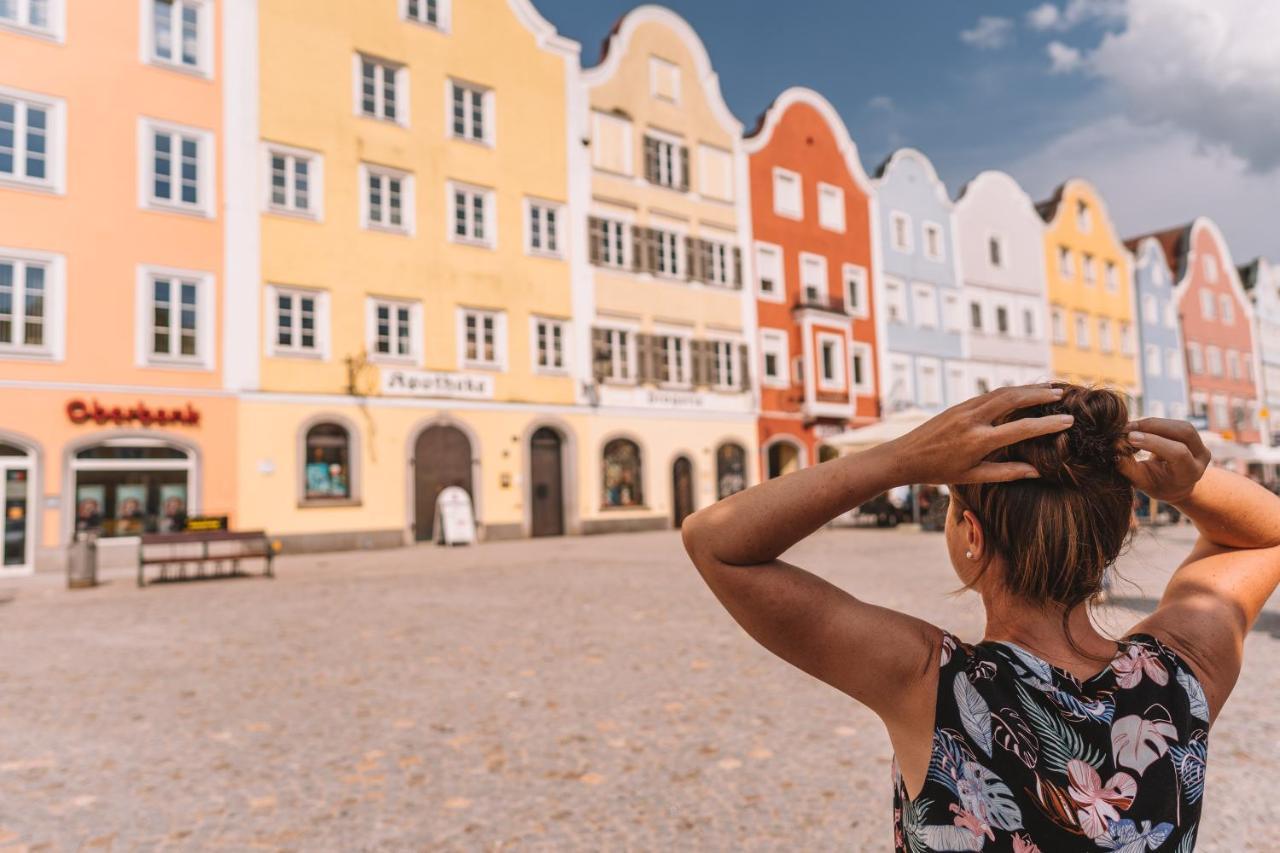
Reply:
x=1043, y=17
x=881, y=102
x=990, y=33
x=1063, y=58
x=1156, y=176
x=1047, y=16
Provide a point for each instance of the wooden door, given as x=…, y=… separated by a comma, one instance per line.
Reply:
x=681, y=490
x=546, y=486
x=441, y=457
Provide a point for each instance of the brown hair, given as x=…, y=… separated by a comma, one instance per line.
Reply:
x=1058, y=533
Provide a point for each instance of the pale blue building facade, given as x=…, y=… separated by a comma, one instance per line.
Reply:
x=1160, y=353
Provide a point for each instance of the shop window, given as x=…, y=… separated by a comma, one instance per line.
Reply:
x=132, y=487
x=623, y=486
x=731, y=470
x=327, y=472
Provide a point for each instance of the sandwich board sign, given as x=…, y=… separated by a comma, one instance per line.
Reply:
x=455, y=521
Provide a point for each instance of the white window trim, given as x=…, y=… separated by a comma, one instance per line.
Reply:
x=838, y=227
x=921, y=363
x=271, y=312
x=941, y=254
x=908, y=246
x=922, y=287
x=1226, y=309
x=811, y=259
x=146, y=41
x=403, y=98
x=561, y=223
x=787, y=212
x=56, y=31
x=566, y=332
x=656, y=63
x=1195, y=359
x=778, y=340
x=206, y=318
x=703, y=173
x=685, y=334
x=632, y=354
x=904, y=303
x=56, y=156
x=735, y=365
x=444, y=14
x=490, y=215
x=1067, y=269
x=315, y=177
x=1084, y=341
x=54, y=347
x=408, y=200
x=1111, y=276
x=1058, y=331
x=837, y=382
x=952, y=313
x=499, y=365
x=628, y=142
x=867, y=385
x=854, y=278
x=208, y=179
x=414, y=358
x=779, y=293
x=487, y=106
x=1089, y=269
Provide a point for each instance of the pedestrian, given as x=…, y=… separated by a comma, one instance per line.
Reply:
x=1046, y=735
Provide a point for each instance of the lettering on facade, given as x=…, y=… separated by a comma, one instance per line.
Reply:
x=429, y=383
x=80, y=412
x=675, y=399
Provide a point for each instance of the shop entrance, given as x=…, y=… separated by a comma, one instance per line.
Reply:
x=681, y=490
x=546, y=487
x=127, y=487
x=784, y=457
x=17, y=505
x=441, y=458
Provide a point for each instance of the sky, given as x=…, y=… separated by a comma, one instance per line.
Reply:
x=1171, y=107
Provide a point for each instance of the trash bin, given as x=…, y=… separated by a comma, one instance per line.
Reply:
x=82, y=561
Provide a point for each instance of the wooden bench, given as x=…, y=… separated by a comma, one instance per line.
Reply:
x=221, y=549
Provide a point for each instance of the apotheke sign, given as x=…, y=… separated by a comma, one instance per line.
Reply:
x=430, y=383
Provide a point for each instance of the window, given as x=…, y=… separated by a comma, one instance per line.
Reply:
x=924, y=305
x=608, y=242
x=1233, y=364
x=621, y=474
x=664, y=80
x=1221, y=414
x=296, y=181
x=32, y=15
x=327, y=471
x=1083, y=220
x=787, y=200
x=542, y=235
x=549, y=339
x=1207, y=305
x=300, y=321
x=471, y=217
x=1058, y=320
x=1082, y=331
x=1227, y=309
x=1173, y=363
x=860, y=368
x=1154, y=360
x=731, y=470
x=387, y=201
x=1002, y=319
x=813, y=279
x=180, y=34
x=380, y=91
x=31, y=140
x=1113, y=278
x=29, y=293
x=1090, y=268
x=177, y=170
x=1213, y=357
x=1210, y=264
x=1029, y=323
x=855, y=291
x=1104, y=334
x=975, y=315
x=666, y=163
x=614, y=355
x=1128, y=343
x=933, y=247
x=717, y=263
x=715, y=173
x=470, y=111
x=673, y=363
x=665, y=255
x=433, y=13
x=770, y=279
x=1066, y=267
x=611, y=143
x=929, y=382
x=394, y=330
x=1195, y=358
x=1246, y=363
x=831, y=207
x=724, y=365
x=1150, y=310
x=830, y=362
x=1170, y=316
x=483, y=339
x=995, y=251
x=952, y=313
x=895, y=300
x=773, y=350
x=900, y=230
x=175, y=332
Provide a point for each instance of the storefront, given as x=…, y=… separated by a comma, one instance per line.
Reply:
x=17, y=470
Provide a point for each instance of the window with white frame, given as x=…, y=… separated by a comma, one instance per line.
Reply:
x=1066, y=267
x=433, y=13
x=550, y=338
x=860, y=378
x=830, y=362
x=615, y=354
x=31, y=139
x=178, y=163
x=674, y=366
x=667, y=256
x=666, y=162
x=773, y=353
x=483, y=335
x=1213, y=357
x=387, y=199
x=1058, y=320
x=1083, y=220
x=37, y=16
x=471, y=218
x=716, y=262
x=1082, y=331
x=470, y=112
x=1210, y=264
x=1150, y=310
x=900, y=231
x=1029, y=324
x=1113, y=277
x=180, y=34
x=929, y=381
x=952, y=313
x=297, y=321
x=770, y=279
x=1233, y=364
x=924, y=305
x=542, y=227
x=1227, y=309
x=27, y=300
x=1154, y=359
x=831, y=207
x=1170, y=316
x=1128, y=341
x=1090, y=267
x=295, y=181
x=380, y=90
x=856, y=301
x=895, y=300
x=934, y=248
x=608, y=239
x=177, y=313
x=975, y=315
x=787, y=200
x=1195, y=358
x=1246, y=363
x=1173, y=363
x=1208, y=307
x=1104, y=334
x=813, y=279
x=393, y=330
x=664, y=80
x=724, y=365
x=995, y=251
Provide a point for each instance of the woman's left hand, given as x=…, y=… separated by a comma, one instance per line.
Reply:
x=953, y=446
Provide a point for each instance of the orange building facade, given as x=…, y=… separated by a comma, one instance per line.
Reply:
x=814, y=264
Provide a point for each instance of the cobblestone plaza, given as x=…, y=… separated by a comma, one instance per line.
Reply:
x=574, y=693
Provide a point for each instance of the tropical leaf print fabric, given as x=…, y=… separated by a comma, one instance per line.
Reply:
x=1029, y=759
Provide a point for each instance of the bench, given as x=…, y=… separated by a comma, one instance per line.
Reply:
x=223, y=550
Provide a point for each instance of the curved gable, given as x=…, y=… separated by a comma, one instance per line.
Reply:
x=762, y=134
x=908, y=162
x=1065, y=198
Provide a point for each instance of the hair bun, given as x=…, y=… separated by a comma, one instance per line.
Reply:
x=1086, y=453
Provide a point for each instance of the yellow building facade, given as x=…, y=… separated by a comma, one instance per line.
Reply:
x=1090, y=290
x=411, y=306
x=672, y=382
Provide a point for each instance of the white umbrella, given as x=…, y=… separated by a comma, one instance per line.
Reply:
x=894, y=426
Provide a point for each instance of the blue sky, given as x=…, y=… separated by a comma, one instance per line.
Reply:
x=1044, y=93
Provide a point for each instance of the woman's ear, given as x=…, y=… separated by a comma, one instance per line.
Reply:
x=975, y=541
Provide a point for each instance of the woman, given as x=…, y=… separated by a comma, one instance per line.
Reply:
x=1046, y=736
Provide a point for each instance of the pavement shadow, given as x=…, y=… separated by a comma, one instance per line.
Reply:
x=1268, y=620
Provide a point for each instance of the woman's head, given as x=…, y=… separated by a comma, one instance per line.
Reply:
x=1053, y=536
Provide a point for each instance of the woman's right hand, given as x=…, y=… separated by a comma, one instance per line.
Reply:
x=1178, y=458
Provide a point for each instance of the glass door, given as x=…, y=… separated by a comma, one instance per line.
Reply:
x=15, y=554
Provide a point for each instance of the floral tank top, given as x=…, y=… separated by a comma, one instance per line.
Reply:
x=1028, y=758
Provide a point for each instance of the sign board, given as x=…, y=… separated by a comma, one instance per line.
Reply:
x=434, y=383
x=455, y=521
x=205, y=523
x=81, y=412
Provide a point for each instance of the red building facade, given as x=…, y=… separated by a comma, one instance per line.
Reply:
x=814, y=266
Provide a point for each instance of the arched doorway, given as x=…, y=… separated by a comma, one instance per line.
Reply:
x=441, y=458
x=546, y=483
x=731, y=469
x=681, y=490
x=17, y=505
x=784, y=457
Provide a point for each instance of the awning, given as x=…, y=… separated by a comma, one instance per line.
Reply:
x=894, y=426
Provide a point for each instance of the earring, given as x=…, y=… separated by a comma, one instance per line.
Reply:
x=969, y=554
